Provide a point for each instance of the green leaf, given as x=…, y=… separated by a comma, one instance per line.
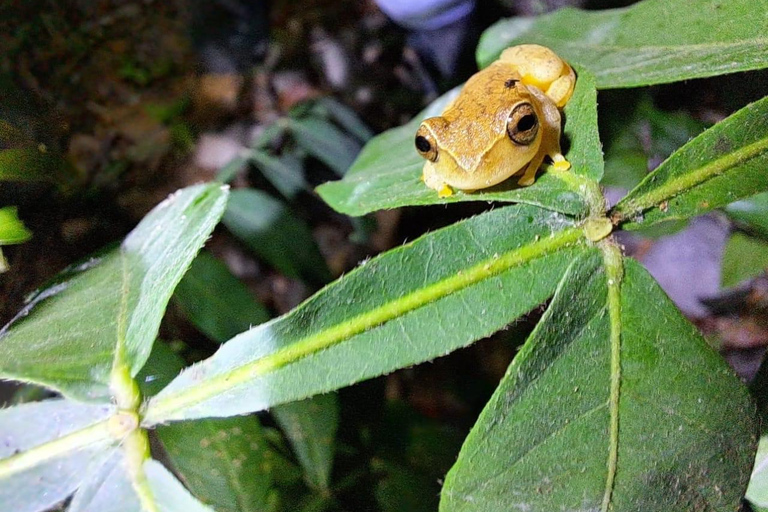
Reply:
x=757, y=492
x=310, y=426
x=434, y=295
x=73, y=336
x=271, y=230
x=346, y=117
x=225, y=461
x=12, y=230
x=41, y=475
x=744, y=258
x=36, y=164
x=650, y=42
x=321, y=139
x=215, y=301
x=584, y=151
x=643, y=140
x=616, y=402
x=725, y=163
x=284, y=174
x=403, y=489
x=112, y=489
x=221, y=307
x=387, y=173
x=752, y=212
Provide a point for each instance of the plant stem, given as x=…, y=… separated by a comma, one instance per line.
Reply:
x=614, y=267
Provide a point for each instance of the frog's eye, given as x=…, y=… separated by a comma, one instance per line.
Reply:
x=425, y=145
x=523, y=125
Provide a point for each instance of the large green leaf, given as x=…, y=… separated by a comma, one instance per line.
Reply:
x=614, y=403
x=387, y=174
x=215, y=301
x=75, y=334
x=439, y=293
x=35, y=476
x=651, y=42
x=725, y=163
x=273, y=232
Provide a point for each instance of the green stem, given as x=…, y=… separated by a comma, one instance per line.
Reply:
x=162, y=409
x=587, y=188
x=636, y=205
x=614, y=267
x=136, y=449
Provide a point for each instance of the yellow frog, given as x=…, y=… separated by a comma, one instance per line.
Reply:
x=504, y=122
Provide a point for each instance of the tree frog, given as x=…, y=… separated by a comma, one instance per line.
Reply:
x=504, y=122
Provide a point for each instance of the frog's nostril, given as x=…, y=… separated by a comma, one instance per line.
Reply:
x=422, y=144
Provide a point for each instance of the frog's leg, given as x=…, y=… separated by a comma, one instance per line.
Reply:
x=529, y=175
x=542, y=68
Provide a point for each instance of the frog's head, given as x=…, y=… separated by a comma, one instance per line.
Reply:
x=482, y=138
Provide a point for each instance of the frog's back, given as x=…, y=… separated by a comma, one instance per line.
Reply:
x=478, y=116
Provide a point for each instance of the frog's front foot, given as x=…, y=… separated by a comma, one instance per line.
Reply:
x=431, y=180
x=560, y=163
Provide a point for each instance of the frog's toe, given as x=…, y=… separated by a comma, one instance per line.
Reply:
x=526, y=180
x=560, y=163
x=444, y=191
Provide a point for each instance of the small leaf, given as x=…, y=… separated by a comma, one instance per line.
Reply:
x=744, y=258
x=643, y=140
x=401, y=488
x=36, y=164
x=47, y=475
x=310, y=426
x=12, y=230
x=437, y=294
x=757, y=492
x=615, y=402
x=650, y=42
x=325, y=142
x=725, y=163
x=346, y=117
x=284, y=174
x=224, y=461
x=72, y=334
x=215, y=301
x=387, y=174
x=752, y=212
x=269, y=228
